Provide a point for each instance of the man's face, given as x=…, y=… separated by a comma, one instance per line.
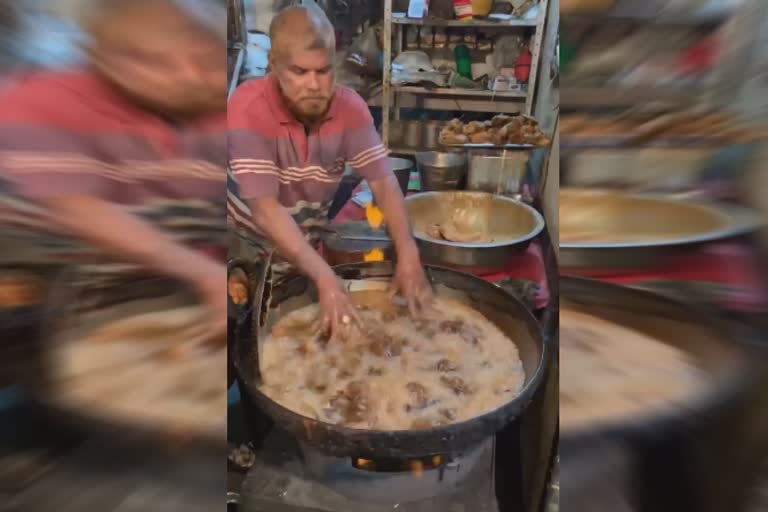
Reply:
x=163, y=61
x=307, y=81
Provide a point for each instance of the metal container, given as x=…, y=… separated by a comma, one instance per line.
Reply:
x=431, y=135
x=502, y=173
x=402, y=168
x=639, y=231
x=511, y=223
x=676, y=455
x=441, y=171
x=412, y=133
x=396, y=133
x=501, y=308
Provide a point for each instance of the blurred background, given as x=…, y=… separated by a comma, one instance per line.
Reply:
x=101, y=402
x=662, y=189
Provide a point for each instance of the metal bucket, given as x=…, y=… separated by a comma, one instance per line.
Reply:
x=441, y=171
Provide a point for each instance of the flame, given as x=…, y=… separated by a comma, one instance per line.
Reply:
x=374, y=254
x=417, y=468
x=365, y=464
x=374, y=216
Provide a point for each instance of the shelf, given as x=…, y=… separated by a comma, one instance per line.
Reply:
x=405, y=151
x=617, y=96
x=401, y=19
x=481, y=93
x=650, y=18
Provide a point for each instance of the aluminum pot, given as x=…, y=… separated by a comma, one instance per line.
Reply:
x=511, y=223
x=640, y=231
x=507, y=312
x=441, y=171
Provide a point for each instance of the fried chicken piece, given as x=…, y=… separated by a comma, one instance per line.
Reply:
x=352, y=403
x=500, y=120
x=482, y=137
x=446, y=365
x=473, y=127
x=419, y=393
x=456, y=384
x=453, y=139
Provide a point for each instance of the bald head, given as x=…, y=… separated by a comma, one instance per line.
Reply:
x=159, y=52
x=301, y=28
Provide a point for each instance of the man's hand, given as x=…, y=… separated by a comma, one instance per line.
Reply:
x=211, y=286
x=131, y=238
x=411, y=282
x=337, y=314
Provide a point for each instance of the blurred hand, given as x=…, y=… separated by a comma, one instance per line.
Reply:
x=211, y=285
x=411, y=283
x=337, y=314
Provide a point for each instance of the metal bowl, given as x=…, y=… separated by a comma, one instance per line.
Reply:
x=441, y=171
x=611, y=230
x=511, y=224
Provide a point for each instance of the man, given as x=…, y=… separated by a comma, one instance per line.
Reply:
x=290, y=136
x=140, y=128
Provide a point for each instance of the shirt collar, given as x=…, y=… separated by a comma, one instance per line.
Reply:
x=282, y=114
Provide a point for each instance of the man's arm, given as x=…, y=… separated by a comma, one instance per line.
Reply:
x=127, y=237
x=277, y=224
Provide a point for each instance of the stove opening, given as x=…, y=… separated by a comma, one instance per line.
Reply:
x=390, y=465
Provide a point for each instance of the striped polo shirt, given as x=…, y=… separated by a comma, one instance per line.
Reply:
x=67, y=132
x=272, y=155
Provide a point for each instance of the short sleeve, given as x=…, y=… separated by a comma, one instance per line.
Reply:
x=39, y=155
x=363, y=148
x=251, y=153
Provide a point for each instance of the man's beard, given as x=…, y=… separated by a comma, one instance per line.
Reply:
x=305, y=116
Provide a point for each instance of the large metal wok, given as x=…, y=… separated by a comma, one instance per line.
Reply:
x=612, y=230
x=670, y=459
x=76, y=304
x=499, y=307
x=510, y=223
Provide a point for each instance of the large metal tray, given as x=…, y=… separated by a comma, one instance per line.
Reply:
x=680, y=226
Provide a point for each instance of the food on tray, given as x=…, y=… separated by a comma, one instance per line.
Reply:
x=158, y=368
x=455, y=231
x=397, y=373
x=502, y=129
x=609, y=372
x=17, y=291
x=642, y=125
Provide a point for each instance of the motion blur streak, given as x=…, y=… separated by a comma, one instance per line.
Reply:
x=671, y=99
x=112, y=255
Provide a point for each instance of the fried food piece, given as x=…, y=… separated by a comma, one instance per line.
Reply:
x=453, y=139
x=384, y=345
x=446, y=365
x=473, y=127
x=483, y=137
x=456, y=384
x=500, y=120
x=419, y=393
x=237, y=287
x=455, y=125
x=352, y=403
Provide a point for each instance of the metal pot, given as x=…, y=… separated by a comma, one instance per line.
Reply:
x=504, y=310
x=402, y=168
x=431, y=136
x=513, y=225
x=640, y=231
x=412, y=134
x=441, y=171
x=671, y=459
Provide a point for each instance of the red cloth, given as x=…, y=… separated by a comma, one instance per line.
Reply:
x=525, y=266
x=730, y=264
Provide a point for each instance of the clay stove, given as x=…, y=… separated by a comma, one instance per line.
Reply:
x=298, y=478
